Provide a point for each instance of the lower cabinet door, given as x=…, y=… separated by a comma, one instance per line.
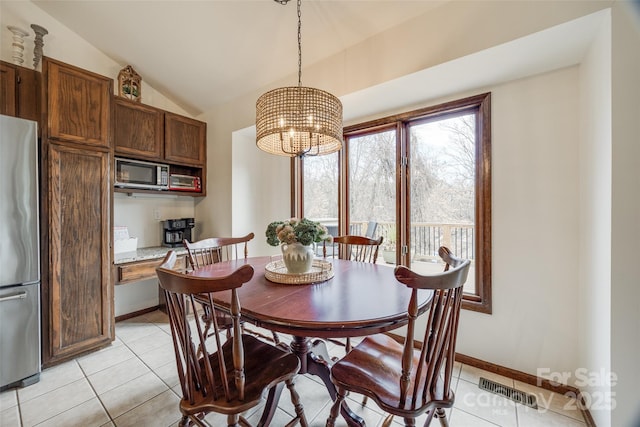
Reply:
x=80, y=293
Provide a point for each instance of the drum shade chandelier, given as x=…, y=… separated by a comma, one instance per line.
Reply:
x=298, y=121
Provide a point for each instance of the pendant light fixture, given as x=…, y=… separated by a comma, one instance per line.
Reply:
x=298, y=121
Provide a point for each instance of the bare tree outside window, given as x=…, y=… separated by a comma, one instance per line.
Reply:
x=321, y=189
x=442, y=168
x=372, y=181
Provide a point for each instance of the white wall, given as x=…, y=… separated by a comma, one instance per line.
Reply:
x=535, y=234
x=137, y=213
x=253, y=198
x=595, y=217
x=625, y=211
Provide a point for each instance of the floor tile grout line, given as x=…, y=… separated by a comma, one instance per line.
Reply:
x=476, y=416
x=106, y=411
x=68, y=409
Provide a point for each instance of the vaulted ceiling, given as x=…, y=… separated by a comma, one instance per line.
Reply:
x=201, y=54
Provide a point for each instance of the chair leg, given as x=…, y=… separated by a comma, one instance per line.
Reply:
x=196, y=419
x=335, y=409
x=387, y=421
x=442, y=416
x=409, y=422
x=295, y=399
x=233, y=420
x=430, y=414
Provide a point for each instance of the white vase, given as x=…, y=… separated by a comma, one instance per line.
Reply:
x=297, y=257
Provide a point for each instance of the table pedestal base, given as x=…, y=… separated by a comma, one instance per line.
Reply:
x=315, y=360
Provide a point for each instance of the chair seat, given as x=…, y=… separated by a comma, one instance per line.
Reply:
x=265, y=366
x=373, y=368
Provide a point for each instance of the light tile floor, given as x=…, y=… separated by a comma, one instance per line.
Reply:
x=133, y=382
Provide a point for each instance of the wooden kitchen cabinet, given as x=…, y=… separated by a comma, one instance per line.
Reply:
x=143, y=132
x=184, y=140
x=143, y=270
x=76, y=216
x=138, y=130
x=78, y=104
x=79, y=293
x=20, y=94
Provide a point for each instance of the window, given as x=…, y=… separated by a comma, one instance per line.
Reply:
x=424, y=178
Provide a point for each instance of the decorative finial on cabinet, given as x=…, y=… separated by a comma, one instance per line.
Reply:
x=39, y=43
x=18, y=44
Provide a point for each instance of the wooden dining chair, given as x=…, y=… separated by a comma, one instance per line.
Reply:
x=403, y=379
x=216, y=249
x=231, y=377
x=354, y=248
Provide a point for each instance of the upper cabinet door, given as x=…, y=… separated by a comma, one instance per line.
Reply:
x=78, y=104
x=8, y=92
x=184, y=140
x=138, y=130
x=19, y=92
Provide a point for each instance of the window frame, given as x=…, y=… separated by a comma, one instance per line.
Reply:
x=480, y=105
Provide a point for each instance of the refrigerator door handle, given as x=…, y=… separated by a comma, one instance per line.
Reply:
x=21, y=295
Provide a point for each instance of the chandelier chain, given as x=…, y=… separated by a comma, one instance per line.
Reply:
x=299, y=44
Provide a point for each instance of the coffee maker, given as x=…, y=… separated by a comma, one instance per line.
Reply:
x=175, y=230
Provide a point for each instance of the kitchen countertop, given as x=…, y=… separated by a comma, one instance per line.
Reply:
x=146, y=254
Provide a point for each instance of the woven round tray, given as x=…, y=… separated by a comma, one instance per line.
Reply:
x=277, y=272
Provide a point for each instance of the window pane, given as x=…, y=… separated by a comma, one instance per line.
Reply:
x=321, y=190
x=442, y=173
x=372, y=187
x=424, y=177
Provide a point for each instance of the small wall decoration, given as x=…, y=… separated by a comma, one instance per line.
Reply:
x=129, y=84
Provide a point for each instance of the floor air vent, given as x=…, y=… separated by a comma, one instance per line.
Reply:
x=508, y=392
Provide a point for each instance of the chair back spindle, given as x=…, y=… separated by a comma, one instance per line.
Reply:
x=216, y=249
x=355, y=248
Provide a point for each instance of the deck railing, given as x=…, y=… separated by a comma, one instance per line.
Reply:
x=427, y=237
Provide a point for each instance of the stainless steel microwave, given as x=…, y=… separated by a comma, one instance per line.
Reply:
x=143, y=175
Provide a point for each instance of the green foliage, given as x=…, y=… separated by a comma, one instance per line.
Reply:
x=128, y=90
x=293, y=230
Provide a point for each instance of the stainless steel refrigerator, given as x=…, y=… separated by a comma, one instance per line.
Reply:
x=19, y=253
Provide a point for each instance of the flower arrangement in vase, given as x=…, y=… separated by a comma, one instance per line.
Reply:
x=295, y=238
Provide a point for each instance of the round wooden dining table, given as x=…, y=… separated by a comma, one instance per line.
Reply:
x=360, y=299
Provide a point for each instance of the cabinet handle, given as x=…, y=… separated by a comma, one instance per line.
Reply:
x=22, y=295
